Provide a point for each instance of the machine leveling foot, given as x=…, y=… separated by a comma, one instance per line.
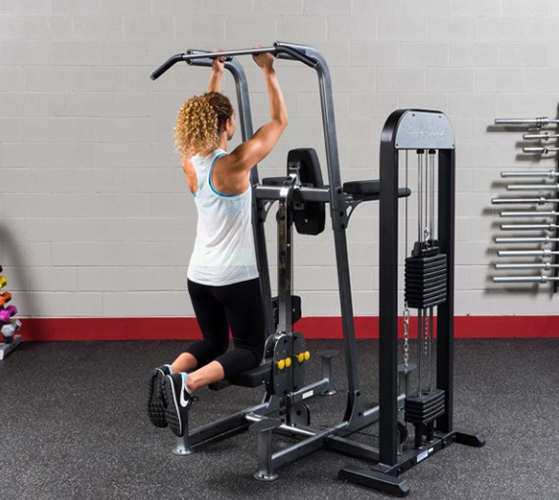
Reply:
x=264, y=429
x=181, y=448
x=469, y=439
x=392, y=485
x=327, y=371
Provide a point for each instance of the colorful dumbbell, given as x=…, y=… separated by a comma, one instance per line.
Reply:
x=9, y=330
x=3, y=281
x=5, y=298
x=7, y=313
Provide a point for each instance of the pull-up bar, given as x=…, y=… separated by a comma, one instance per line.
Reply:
x=279, y=50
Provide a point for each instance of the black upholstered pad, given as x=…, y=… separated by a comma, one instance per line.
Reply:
x=254, y=377
x=362, y=188
x=369, y=190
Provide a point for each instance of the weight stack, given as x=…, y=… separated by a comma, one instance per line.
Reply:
x=425, y=408
x=426, y=280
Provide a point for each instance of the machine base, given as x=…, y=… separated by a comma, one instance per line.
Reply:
x=385, y=478
x=392, y=485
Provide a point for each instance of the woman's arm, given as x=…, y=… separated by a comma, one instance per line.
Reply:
x=190, y=171
x=217, y=72
x=249, y=153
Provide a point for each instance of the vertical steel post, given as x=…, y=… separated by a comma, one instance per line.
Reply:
x=445, y=325
x=285, y=310
x=388, y=300
x=339, y=225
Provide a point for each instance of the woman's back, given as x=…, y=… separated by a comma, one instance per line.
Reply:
x=224, y=248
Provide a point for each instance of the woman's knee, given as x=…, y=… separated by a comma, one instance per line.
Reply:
x=220, y=348
x=216, y=347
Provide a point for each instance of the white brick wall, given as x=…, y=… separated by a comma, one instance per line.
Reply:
x=96, y=216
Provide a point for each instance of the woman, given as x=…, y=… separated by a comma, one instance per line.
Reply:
x=222, y=276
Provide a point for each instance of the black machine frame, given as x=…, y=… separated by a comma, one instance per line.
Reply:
x=284, y=393
x=420, y=131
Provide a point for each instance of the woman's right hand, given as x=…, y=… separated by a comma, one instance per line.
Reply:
x=264, y=61
x=217, y=62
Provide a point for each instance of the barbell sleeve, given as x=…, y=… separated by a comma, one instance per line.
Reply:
x=541, y=150
x=537, y=174
x=528, y=227
x=543, y=265
x=544, y=252
x=528, y=213
x=525, y=279
x=529, y=239
x=542, y=137
x=524, y=201
x=533, y=187
x=540, y=121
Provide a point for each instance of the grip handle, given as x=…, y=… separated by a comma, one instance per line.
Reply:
x=168, y=64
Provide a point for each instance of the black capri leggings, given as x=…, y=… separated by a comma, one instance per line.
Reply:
x=218, y=308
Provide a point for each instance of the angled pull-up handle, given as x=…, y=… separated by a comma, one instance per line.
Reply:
x=279, y=49
x=168, y=64
x=294, y=52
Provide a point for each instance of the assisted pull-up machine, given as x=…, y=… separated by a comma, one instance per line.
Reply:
x=302, y=197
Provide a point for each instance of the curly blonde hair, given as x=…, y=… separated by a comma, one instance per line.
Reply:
x=199, y=121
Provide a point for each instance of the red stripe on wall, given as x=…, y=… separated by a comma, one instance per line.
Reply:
x=313, y=328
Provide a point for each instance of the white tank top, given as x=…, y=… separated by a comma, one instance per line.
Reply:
x=224, y=251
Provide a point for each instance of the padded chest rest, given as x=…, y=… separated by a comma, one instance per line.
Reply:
x=369, y=190
x=362, y=188
x=273, y=181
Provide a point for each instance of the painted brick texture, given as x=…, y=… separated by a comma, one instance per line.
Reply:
x=96, y=216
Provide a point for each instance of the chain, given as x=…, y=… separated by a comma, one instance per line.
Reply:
x=425, y=334
x=406, y=310
x=406, y=335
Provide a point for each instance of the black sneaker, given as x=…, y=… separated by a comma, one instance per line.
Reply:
x=179, y=401
x=157, y=403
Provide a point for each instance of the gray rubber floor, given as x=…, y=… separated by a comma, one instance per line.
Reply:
x=73, y=425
